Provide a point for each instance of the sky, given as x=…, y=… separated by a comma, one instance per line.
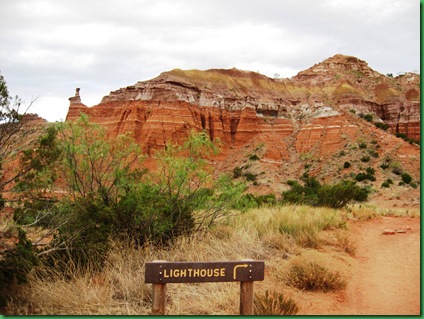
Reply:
x=50, y=47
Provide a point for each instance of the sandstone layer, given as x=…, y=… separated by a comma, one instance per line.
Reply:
x=308, y=120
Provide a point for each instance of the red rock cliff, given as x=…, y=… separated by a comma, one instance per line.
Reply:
x=313, y=115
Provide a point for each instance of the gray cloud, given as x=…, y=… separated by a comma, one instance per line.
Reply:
x=49, y=47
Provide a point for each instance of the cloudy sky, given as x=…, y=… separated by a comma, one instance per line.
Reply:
x=50, y=47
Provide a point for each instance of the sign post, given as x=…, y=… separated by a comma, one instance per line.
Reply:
x=246, y=271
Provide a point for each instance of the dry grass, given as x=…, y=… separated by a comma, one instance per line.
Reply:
x=258, y=234
x=365, y=212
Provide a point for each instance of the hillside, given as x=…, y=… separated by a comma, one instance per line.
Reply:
x=279, y=129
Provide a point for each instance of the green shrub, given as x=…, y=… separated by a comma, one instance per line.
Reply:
x=406, y=178
x=268, y=199
x=406, y=138
x=413, y=185
x=15, y=265
x=246, y=202
x=385, y=163
x=312, y=276
x=385, y=185
x=368, y=117
x=362, y=145
x=365, y=159
x=251, y=201
x=291, y=182
x=382, y=126
x=254, y=157
x=360, y=177
x=340, y=194
x=346, y=165
x=373, y=153
x=237, y=171
x=314, y=194
x=250, y=176
x=274, y=304
x=370, y=171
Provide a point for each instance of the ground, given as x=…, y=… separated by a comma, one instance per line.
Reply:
x=385, y=272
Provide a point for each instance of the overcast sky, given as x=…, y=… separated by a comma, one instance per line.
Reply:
x=50, y=47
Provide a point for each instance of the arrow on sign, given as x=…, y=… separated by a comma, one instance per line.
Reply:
x=239, y=266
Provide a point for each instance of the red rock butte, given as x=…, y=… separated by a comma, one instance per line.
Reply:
x=316, y=115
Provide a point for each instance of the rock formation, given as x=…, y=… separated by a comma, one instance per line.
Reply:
x=314, y=115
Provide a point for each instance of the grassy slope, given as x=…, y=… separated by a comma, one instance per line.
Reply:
x=281, y=236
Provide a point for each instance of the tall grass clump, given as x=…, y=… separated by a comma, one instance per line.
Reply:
x=274, y=304
x=304, y=223
x=313, y=276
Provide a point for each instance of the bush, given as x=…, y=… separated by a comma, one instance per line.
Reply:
x=406, y=178
x=370, y=171
x=385, y=185
x=268, y=199
x=362, y=145
x=106, y=198
x=250, y=176
x=346, y=165
x=334, y=196
x=15, y=265
x=237, y=171
x=382, y=126
x=254, y=157
x=385, y=163
x=340, y=194
x=365, y=159
x=368, y=117
x=360, y=177
x=373, y=153
x=274, y=304
x=312, y=276
x=251, y=201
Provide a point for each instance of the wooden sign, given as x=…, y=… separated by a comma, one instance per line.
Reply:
x=246, y=271
x=186, y=272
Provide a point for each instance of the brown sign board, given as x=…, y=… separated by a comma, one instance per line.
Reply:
x=188, y=272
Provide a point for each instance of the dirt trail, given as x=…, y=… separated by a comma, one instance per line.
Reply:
x=386, y=272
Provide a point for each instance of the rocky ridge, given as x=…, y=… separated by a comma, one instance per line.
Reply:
x=308, y=123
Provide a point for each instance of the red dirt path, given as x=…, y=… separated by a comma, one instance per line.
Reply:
x=385, y=274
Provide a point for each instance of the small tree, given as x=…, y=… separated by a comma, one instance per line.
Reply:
x=11, y=122
x=17, y=260
x=181, y=197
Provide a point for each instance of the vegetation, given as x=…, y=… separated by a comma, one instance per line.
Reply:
x=17, y=260
x=117, y=288
x=88, y=214
x=313, y=193
x=406, y=138
x=274, y=304
x=254, y=157
x=106, y=197
x=382, y=125
x=312, y=276
x=406, y=178
x=368, y=117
